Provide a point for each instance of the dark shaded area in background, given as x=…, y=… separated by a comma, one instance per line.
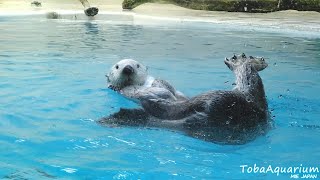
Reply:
x=254, y=6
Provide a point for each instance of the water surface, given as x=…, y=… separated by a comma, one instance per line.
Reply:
x=53, y=89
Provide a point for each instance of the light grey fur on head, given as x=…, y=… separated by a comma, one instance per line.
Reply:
x=118, y=79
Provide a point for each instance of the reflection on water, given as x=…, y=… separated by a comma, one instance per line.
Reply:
x=92, y=38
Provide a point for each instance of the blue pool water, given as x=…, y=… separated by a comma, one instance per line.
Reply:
x=53, y=89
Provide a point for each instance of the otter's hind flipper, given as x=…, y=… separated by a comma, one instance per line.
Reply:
x=258, y=63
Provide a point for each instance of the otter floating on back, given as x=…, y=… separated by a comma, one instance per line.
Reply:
x=232, y=117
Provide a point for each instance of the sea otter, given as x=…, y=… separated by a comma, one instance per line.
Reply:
x=233, y=117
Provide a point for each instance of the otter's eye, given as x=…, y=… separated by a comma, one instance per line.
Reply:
x=138, y=65
x=117, y=67
x=262, y=59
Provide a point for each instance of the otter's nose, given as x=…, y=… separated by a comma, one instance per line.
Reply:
x=127, y=70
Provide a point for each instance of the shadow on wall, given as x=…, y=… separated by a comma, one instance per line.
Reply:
x=253, y=6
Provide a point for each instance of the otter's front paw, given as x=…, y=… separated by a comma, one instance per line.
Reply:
x=114, y=88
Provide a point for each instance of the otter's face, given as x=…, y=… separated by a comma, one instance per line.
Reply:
x=125, y=73
x=258, y=63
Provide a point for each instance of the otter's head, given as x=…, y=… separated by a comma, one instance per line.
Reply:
x=125, y=73
x=258, y=63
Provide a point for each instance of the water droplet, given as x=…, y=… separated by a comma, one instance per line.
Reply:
x=20, y=140
x=69, y=170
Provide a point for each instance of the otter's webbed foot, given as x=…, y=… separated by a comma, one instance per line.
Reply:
x=114, y=88
x=126, y=117
x=237, y=60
